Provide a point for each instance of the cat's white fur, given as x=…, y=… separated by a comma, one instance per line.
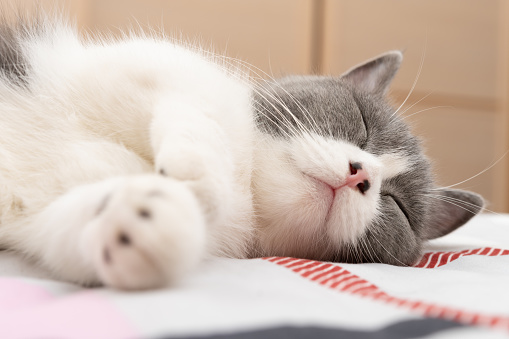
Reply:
x=99, y=111
x=82, y=148
x=303, y=206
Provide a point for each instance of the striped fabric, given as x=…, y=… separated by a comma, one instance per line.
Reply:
x=437, y=259
x=336, y=277
x=458, y=290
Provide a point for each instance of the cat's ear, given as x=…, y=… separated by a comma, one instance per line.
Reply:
x=451, y=209
x=375, y=75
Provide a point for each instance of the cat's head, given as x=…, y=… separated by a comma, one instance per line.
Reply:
x=339, y=176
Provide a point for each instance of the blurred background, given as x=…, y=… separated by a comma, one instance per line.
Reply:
x=459, y=105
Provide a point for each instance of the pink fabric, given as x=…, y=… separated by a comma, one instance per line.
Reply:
x=16, y=294
x=28, y=311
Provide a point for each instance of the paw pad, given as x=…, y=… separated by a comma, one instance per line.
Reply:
x=124, y=239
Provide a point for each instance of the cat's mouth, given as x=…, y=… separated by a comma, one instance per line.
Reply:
x=326, y=192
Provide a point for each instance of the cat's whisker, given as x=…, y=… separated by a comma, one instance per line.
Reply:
x=478, y=174
x=275, y=124
x=371, y=255
x=278, y=100
x=286, y=123
x=455, y=199
x=305, y=112
x=273, y=94
x=322, y=241
x=299, y=127
x=258, y=90
x=384, y=225
x=426, y=109
x=442, y=198
x=447, y=199
x=350, y=253
x=416, y=78
x=415, y=103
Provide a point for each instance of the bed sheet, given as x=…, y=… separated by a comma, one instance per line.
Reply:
x=460, y=289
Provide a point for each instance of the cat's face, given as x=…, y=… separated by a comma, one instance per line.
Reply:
x=338, y=175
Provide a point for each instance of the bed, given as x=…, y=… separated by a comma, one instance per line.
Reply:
x=460, y=289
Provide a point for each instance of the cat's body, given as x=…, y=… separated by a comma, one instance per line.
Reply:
x=129, y=162
x=83, y=113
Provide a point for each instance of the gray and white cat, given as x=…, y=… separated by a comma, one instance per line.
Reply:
x=128, y=162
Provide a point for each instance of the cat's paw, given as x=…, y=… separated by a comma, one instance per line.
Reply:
x=184, y=163
x=204, y=171
x=148, y=233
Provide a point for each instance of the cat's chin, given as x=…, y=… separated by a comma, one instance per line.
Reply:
x=326, y=194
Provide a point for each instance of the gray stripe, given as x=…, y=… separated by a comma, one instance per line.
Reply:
x=405, y=329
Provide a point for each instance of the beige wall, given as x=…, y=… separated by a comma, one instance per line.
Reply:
x=463, y=44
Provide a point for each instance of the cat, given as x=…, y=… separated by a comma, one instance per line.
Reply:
x=128, y=162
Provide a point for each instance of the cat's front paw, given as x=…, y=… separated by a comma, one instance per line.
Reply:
x=204, y=171
x=148, y=233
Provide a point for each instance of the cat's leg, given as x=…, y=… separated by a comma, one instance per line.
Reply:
x=133, y=232
x=148, y=232
x=192, y=147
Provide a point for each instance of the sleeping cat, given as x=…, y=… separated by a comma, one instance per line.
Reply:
x=128, y=162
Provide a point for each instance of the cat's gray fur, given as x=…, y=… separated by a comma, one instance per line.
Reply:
x=344, y=109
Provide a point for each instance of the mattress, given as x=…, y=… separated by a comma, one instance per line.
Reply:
x=460, y=289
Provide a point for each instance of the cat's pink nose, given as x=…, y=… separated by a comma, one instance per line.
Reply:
x=358, y=178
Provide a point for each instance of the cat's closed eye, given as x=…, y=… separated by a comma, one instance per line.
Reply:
x=364, y=143
x=393, y=200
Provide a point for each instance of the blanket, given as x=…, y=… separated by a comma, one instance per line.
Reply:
x=460, y=289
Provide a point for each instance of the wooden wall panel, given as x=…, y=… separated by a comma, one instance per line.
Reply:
x=463, y=69
x=466, y=63
x=460, y=151
x=459, y=38
x=76, y=10
x=272, y=35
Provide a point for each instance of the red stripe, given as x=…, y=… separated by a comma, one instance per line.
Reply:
x=300, y=262
x=389, y=299
x=463, y=317
x=456, y=256
x=352, y=284
x=337, y=275
x=432, y=311
x=321, y=275
x=437, y=259
x=345, y=279
x=384, y=297
x=378, y=295
x=316, y=270
x=308, y=266
x=272, y=259
x=443, y=259
x=374, y=292
x=434, y=259
x=495, y=320
x=285, y=261
x=297, y=263
x=475, y=319
x=476, y=251
x=415, y=304
x=365, y=290
x=424, y=260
